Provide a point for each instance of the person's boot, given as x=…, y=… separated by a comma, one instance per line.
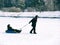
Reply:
x=31, y=32
x=35, y=32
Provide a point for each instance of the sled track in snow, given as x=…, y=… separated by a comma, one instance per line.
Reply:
x=31, y=17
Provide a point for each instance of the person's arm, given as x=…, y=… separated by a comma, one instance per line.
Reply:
x=30, y=22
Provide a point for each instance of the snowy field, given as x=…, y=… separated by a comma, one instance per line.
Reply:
x=48, y=30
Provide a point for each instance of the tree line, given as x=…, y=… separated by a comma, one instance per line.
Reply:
x=37, y=5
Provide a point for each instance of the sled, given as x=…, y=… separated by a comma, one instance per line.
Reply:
x=13, y=31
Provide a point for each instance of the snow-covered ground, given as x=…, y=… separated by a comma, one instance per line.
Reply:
x=48, y=30
x=43, y=14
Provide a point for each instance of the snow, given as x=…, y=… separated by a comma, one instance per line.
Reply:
x=43, y=14
x=48, y=30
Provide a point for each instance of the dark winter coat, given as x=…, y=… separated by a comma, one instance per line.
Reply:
x=34, y=20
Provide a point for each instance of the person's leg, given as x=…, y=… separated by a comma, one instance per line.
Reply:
x=31, y=30
x=34, y=30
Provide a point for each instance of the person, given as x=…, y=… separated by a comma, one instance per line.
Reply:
x=11, y=30
x=33, y=21
x=9, y=27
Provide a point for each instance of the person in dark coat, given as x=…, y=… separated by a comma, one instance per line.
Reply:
x=33, y=21
x=9, y=27
x=11, y=30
